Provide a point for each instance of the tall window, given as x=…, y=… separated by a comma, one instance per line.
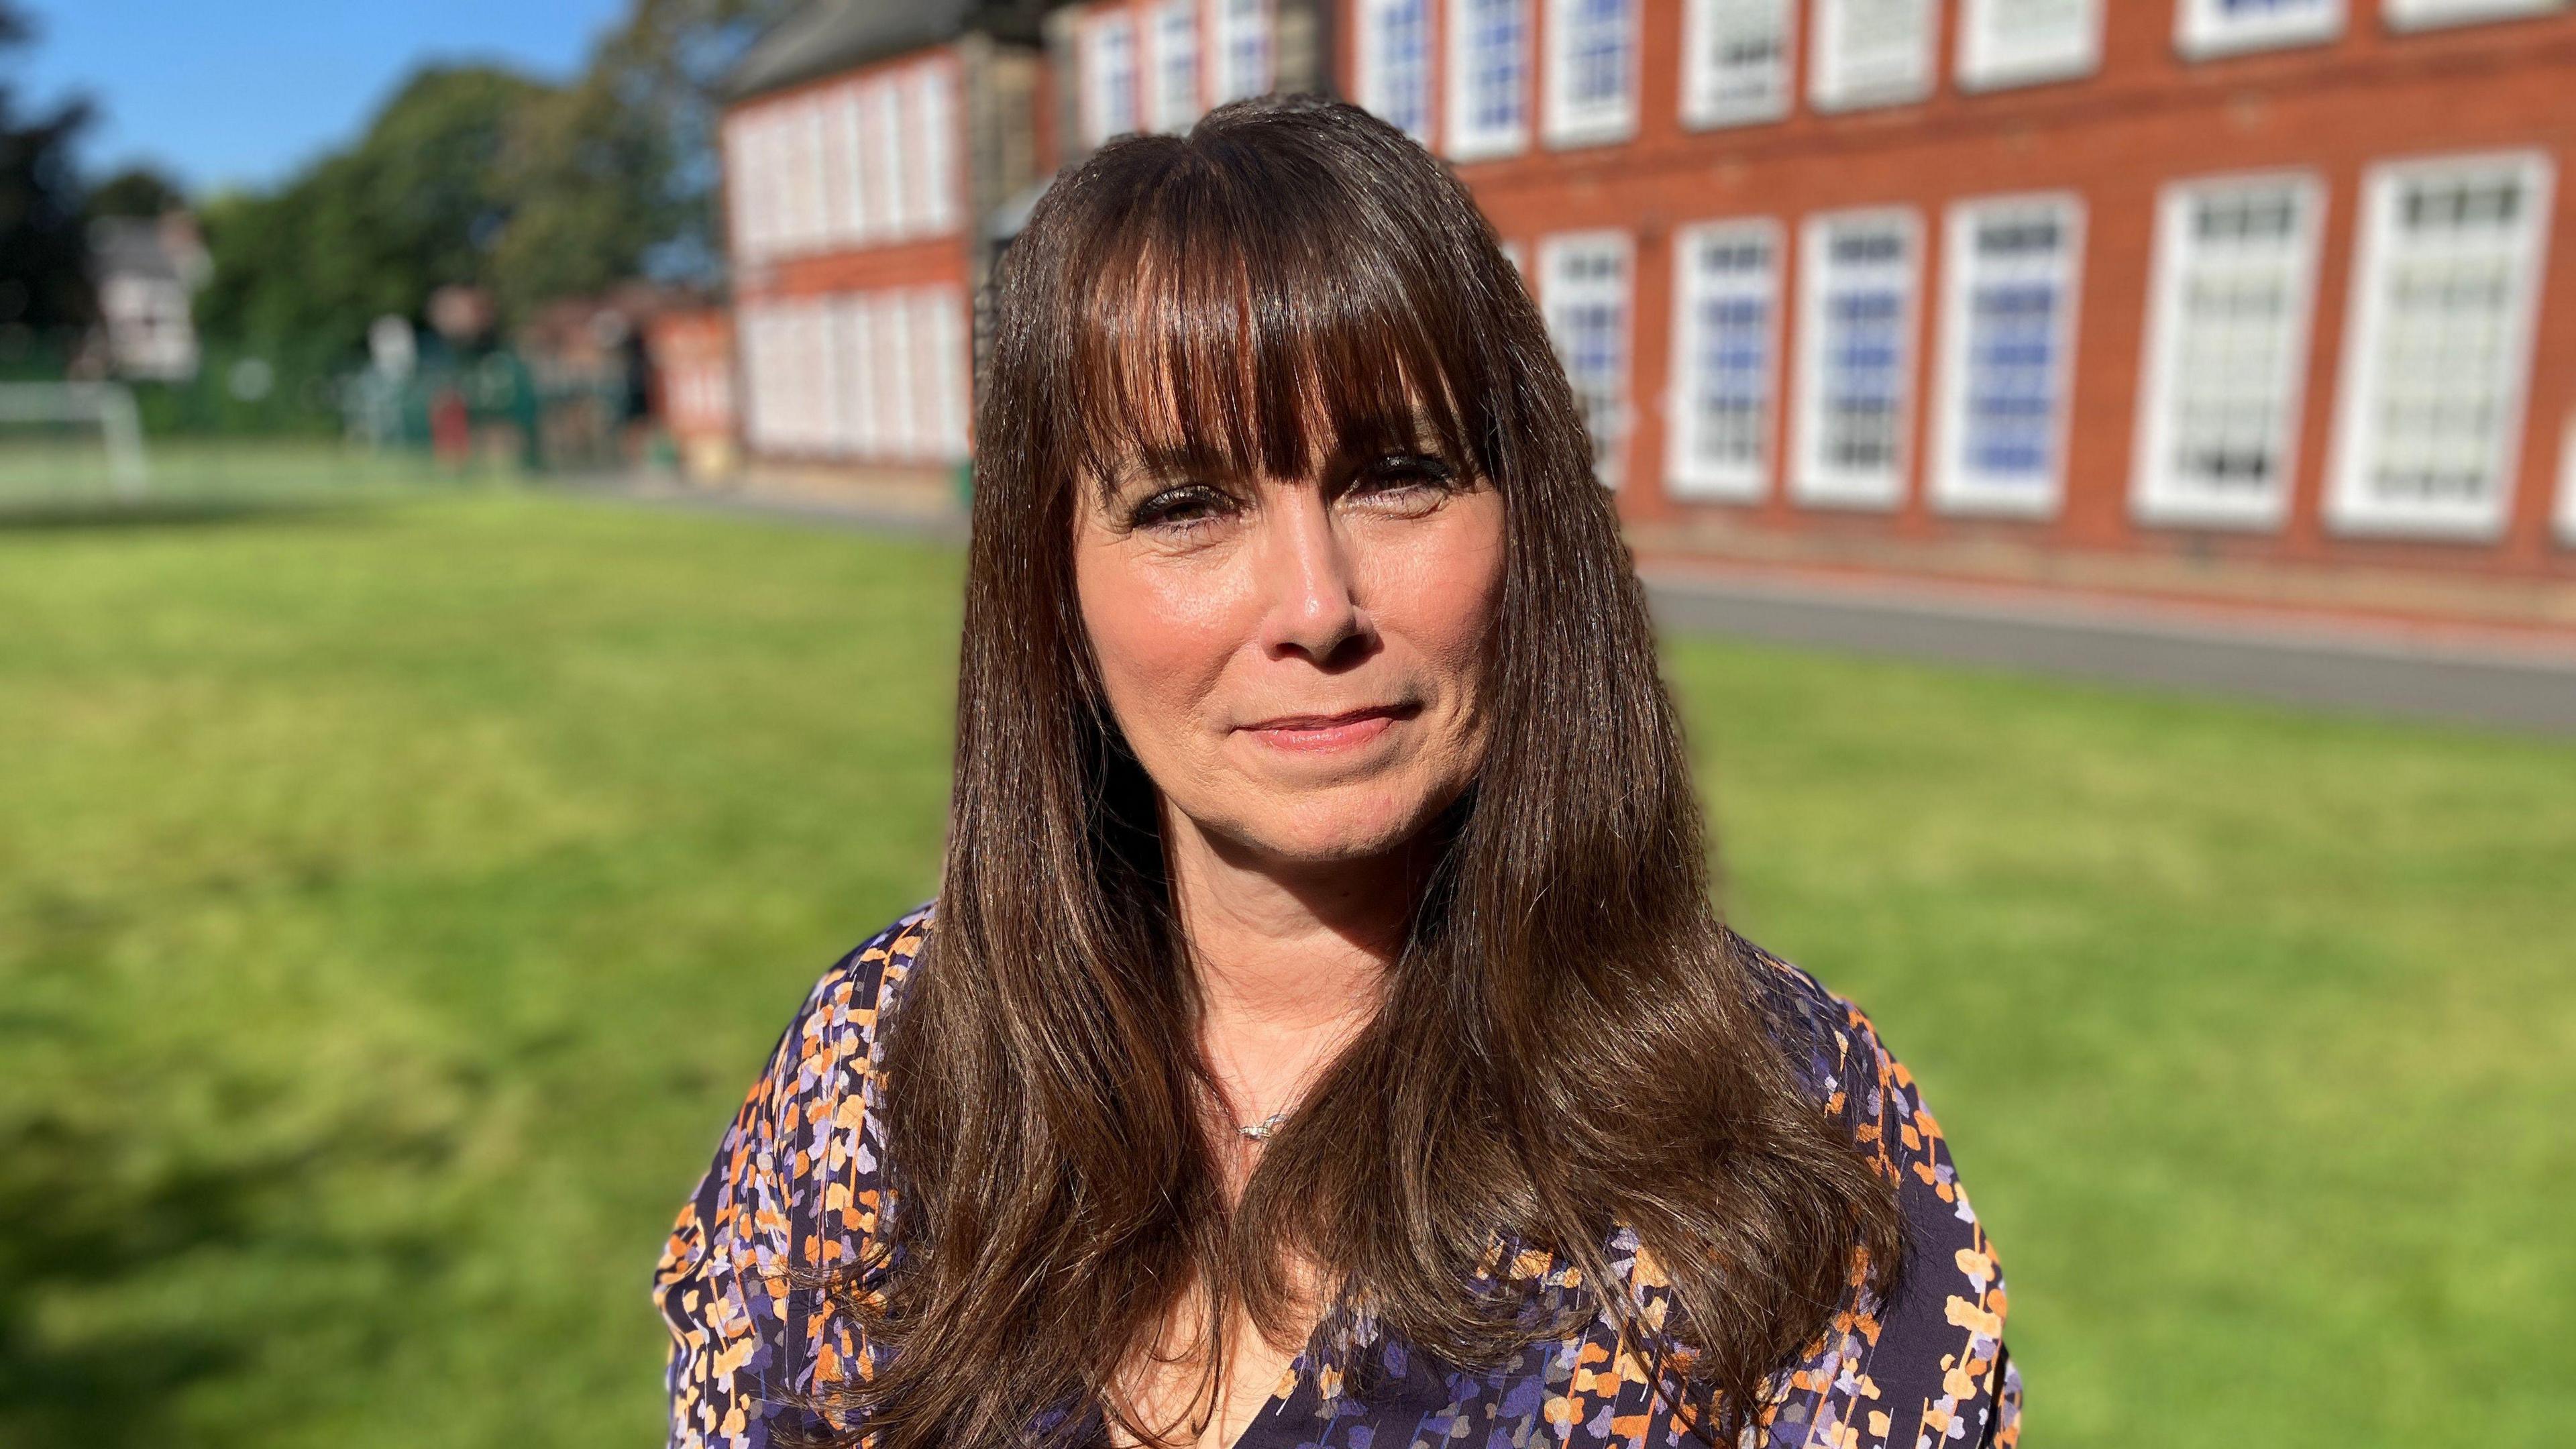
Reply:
x=808, y=185
x=1489, y=42
x=850, y=165
x=1175, y=63
x=859, y=374
x=1108, y=76
x=2420, y=14
x=1859, y=273
x=1583, y=289
x=1735, y=61
x=752, y=332
x=892, y=163
x=1872, y=52
x=1591, y=71
x=2218, y=27
x=939, y=332
x=740, y=148
x=1726, y=330
x=2438, y=349
x=2022, y=42
x=2011, y=270
x=935, y=111
x=1240, y=39
x=898, y=377
x=1395, y=63
x=2227, y=350
x=2567, y=480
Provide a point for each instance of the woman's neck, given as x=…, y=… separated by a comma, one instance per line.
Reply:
x=1290, y=960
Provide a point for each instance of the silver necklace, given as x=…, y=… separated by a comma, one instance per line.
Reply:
x=1260, y=1131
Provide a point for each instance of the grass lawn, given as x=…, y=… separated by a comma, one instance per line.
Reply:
x=394, y=900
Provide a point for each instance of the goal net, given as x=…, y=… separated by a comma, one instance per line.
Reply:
x=68, y=440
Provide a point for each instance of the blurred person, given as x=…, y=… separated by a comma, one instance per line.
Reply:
x=1321, y=1034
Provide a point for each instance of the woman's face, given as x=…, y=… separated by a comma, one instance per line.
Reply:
x=1296, y=662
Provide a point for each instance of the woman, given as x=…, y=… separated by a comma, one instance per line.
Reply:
x=1320, y=1035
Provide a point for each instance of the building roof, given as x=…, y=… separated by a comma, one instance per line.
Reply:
x=166, y=250
x=834, y=35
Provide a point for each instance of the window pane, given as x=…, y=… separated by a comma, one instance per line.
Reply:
x=1861, y=272
x=1739, y=60
x=1729, y=284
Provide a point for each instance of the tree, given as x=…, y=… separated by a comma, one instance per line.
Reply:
x=44, y=248
x=616, y=174
x=479, y=175
x=418, y=203
x=136, y=191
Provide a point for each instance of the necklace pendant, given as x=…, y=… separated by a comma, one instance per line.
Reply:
x=1260, y=1131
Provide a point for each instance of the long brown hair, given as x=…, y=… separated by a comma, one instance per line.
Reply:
x=1569, y=1041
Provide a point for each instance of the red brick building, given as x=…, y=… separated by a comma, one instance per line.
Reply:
x=2265, y=299
x=2272, y=298
x=865, y=145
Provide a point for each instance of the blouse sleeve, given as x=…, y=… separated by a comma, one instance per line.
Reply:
x=1923, y=1367
x=794, y=1184
x=1926, y=1368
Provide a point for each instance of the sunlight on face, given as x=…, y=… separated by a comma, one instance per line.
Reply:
x=1296, y=662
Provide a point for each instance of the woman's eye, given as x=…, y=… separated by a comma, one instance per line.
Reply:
x=1178, y=508
x=1404, y=479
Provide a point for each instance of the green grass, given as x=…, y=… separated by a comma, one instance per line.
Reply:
x=395, y=897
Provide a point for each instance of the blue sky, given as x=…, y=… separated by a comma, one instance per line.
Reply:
x=241, y=91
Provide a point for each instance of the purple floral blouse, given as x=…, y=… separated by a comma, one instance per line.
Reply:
x=798, y=1179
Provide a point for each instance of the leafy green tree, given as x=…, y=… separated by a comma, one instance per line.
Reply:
x=419, y=202
x=136, y=191
x=44, y=250
x=616, y=174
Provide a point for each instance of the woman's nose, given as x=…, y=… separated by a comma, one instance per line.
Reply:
x=1310, y=605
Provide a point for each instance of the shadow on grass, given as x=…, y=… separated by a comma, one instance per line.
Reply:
x=150, y=513
x=95, y=1234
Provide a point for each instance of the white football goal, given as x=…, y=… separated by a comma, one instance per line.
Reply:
x=55, y=408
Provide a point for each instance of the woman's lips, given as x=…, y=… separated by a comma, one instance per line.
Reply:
x=1321, y=733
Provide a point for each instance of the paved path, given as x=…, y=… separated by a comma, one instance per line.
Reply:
x=2344, y=667
x=2491, y=681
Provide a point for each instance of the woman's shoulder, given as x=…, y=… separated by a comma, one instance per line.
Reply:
x=840, y=1020
x=795, y=1187
x=1833, y=1047
x=1932, y=1353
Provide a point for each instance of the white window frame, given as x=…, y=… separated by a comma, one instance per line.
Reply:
x=889, y=166
x=1813, y=479
x=1589, y=121
x=939, y=340
x=1707, y=101
x=1376, y=81
x=859, y=369
x=899, y=432
x=2203, y=28
x=2350, y=508
x=1172, y=107
x=1610, y=449
x=2567, y=478
x=1956, y=485
x=2158, y=494
x=2434, y=14
x=847, y=130
x=1994, y=54
x=1233, y=26
x=1688, y=475
x=809, y=184
x=1830, y=84
x=1468, y=141
x=935, y=112
x=740, y=146
x=1112, y=103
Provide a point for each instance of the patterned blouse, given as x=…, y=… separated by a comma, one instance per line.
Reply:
x=799, y=1179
